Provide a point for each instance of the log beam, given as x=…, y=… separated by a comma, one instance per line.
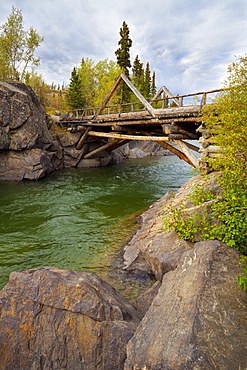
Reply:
x=83, y=138
x=128, y=137
x=100, y=149
x=117, y=145
x=189, y=154
x=173, y=150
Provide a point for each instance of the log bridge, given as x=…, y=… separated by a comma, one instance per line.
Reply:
x=166, y=119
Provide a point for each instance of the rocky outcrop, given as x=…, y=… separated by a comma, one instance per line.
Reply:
x=195, y=315
x=27, y=148
x=154, y=249
x=198, y=318
x=63, y=319
x=32, y=144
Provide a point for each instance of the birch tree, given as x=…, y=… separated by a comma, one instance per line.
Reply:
x=17, y=47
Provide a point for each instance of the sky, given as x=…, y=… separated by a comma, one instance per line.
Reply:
x=188, y=43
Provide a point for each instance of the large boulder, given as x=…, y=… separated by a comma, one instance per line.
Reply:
x=198, y=318
x=27, y=164
x=63, y=319
x=27, y=148
x=154, y=249
x=23, y=117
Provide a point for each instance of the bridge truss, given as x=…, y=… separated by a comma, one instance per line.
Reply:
x=166, y=119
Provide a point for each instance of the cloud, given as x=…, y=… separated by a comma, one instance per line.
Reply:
x=188, y=43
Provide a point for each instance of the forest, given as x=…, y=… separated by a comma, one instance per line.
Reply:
x=89, y=83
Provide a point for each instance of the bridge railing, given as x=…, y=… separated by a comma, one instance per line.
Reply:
x=199, y=99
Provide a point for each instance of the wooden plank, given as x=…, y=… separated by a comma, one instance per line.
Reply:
x=173, y=129
x=191, y=146
x=83, y=138
x=146, y=104
x=168, y=94
x=166, y=113
x=100, y=149
x=189, y=154
x=173, y=150
x=128, y=137
x=115, y=146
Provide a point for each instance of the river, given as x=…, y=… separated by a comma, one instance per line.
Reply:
x=77, y=219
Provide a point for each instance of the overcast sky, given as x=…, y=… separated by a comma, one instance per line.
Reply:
x=189, y=43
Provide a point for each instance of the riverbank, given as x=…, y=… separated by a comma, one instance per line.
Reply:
x=72, y=218
x=193, y=317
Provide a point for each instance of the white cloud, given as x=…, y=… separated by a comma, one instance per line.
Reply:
x=188, y=43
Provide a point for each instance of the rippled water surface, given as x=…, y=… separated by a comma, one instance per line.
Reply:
x=76, y=219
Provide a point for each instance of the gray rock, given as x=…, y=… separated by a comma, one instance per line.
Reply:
x=63, y=319
x=28, y=150
x=136, y=153
x=140, y=149
x=87, y=163
x=69, y=139
x=145, y=299
x=4, y=137
x=198, y=318
x=24, y=165
x=153, y=249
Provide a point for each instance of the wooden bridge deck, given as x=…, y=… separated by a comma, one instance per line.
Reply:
x=170, y=124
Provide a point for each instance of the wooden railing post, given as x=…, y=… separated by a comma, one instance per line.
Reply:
x=204, y=99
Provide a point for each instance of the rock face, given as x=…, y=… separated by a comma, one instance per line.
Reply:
x=141, y=149
x=31, y=146
x=195, y=315
x=27, y=149
x=62, y=319
x=154, y=249
x=198, y=318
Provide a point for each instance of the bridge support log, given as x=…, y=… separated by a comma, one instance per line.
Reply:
x=104, y=147
x=127, y=136
x=189, y=154
x=83, y=138
x=173, y=150
x=117, y=145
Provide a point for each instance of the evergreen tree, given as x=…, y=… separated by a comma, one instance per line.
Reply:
x=123, y=52
x=123, y=59
x=74, y=95
x=138, y=74
x=147, y=82
x=153, y=85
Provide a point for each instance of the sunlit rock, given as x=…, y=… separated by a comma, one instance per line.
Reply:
x=63, y=319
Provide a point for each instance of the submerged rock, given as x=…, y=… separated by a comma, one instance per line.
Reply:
x=63, y=319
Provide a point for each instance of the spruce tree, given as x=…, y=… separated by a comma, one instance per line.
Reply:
x=147, y=82
x=153, y=85
x=74, y=96
x=123, y=60
x=138, y=73
x=123, y=52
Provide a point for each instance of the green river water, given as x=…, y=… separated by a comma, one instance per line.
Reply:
x=77, y=219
